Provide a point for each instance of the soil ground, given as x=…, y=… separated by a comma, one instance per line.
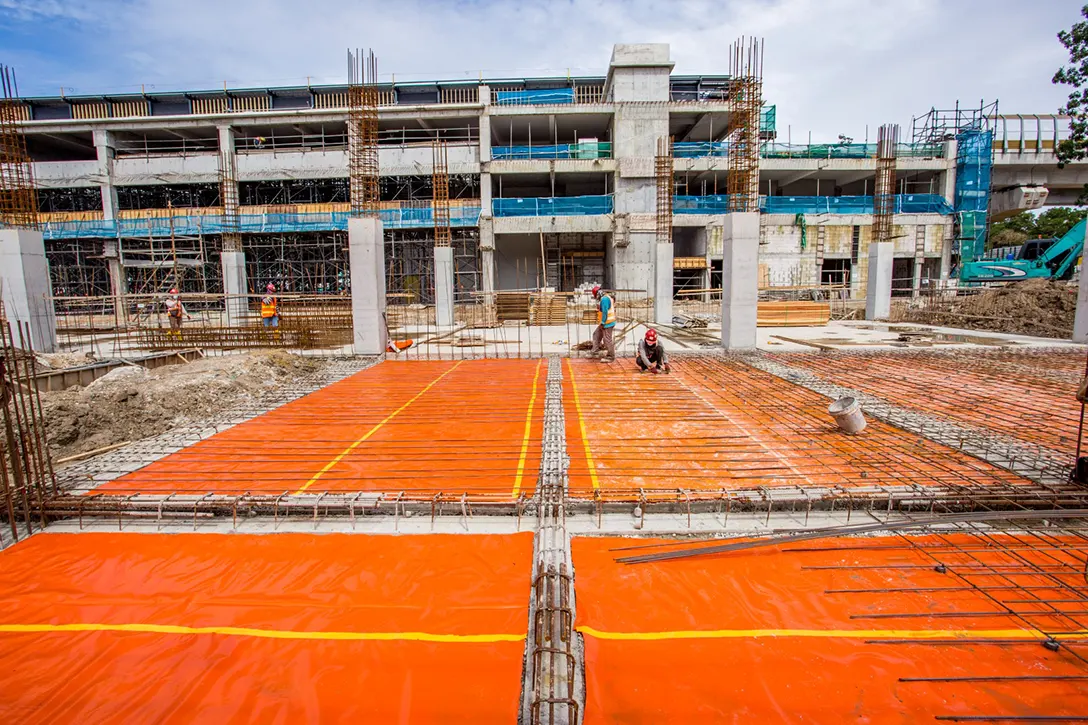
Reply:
x=131, y=403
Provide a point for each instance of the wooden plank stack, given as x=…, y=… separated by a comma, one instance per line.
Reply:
x=777, y=313
x=511, y=306
x=548, y=309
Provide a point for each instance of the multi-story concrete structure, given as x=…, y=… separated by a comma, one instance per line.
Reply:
x=552, y=184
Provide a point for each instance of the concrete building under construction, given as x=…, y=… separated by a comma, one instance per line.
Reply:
x=551, y=183
x=431, y=504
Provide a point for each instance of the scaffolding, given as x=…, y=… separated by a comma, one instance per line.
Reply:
x=884, y=195
x=18, y=198
x=743, y=131
x=363, y=166
x=440, y=185
x=663, y=171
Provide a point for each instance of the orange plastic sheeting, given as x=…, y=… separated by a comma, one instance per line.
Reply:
x=1028, y=396
x=275, y=628
x=763, y=636
x=717, y=424
x=417, y=427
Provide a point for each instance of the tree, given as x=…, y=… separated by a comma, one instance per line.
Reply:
x=1017, y=229
x=1058, y=220
x=1075, y=75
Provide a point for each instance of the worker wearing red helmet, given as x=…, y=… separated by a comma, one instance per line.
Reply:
x=651, y=354
x=270, y=311
x=606, y=321
x=175, y=310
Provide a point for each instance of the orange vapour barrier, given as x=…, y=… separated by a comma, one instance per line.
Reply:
x=416, y=427
x=143, y=628
x=720, y=424
x=1024, y=395
x=857, y=630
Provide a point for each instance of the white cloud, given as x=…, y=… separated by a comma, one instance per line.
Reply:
x=832, y=66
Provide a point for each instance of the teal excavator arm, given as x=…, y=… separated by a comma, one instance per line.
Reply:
x=1055, y=263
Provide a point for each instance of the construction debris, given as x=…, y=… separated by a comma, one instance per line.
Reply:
x=1036, y=307
x=132, y=403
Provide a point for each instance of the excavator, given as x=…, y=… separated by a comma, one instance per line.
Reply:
x=1036, y=259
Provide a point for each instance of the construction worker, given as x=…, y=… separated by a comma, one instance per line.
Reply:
x=270, y=316
x=175, y=310
x=651, y=354
x=606, y=321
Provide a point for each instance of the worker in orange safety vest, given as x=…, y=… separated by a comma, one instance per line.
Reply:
x=270, y=316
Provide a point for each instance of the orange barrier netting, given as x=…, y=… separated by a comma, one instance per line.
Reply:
x=718, y=423
x=148, y=628
x=1027, y=396
x=832, y=634
x=416, y=427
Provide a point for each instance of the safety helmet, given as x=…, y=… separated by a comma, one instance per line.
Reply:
x=174, y=291
x=596, y=290
x=651, y=336
x=271, y=287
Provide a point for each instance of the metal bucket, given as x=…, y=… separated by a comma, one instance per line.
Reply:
x=847, y=413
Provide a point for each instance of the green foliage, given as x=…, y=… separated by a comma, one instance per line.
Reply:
x=1058, y=220
x=1053, y=222
x=1075, y=75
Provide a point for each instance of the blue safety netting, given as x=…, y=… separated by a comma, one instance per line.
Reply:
x=699, y=149
x=846, y=151
x=711, y=204
x=974, y=157
x=904, y=204
x=403, y=218
x=552, y=206
x=536, y=96
x=583, y=150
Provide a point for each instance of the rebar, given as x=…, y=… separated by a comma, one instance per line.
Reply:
x=745, y=104
x=18, y=196
x=363, y=168
x=884, y=192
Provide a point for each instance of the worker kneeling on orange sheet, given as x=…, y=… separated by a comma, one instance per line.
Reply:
x=651, y=354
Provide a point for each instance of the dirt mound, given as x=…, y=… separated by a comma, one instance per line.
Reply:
x=131, y=403
x=1036, y=307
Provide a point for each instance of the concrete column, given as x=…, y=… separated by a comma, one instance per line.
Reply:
x=118, y=286
x=366, y=254
x=487, y=257
x=663, y=284
x=485, y=125
x=485, y=195
x=443, y=286
x=1080, y=322
x=232, y=241
x=24, y=279
x=948, y=176
x=106, y=150
x=235, y=287
x=878, y=288
x=740, y=280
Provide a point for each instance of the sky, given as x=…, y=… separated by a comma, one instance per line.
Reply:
x=830, y=66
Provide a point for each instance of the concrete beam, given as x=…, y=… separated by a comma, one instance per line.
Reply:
x=740, y=280
x=878, y=290
x=366, y=254
x=24, y=277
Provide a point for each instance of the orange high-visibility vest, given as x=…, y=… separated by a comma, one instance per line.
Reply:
x=268, y=306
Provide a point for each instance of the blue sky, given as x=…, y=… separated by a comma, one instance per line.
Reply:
x=832, y=66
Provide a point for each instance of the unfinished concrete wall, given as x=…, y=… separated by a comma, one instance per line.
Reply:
x=517, y=261
x=366, y=251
